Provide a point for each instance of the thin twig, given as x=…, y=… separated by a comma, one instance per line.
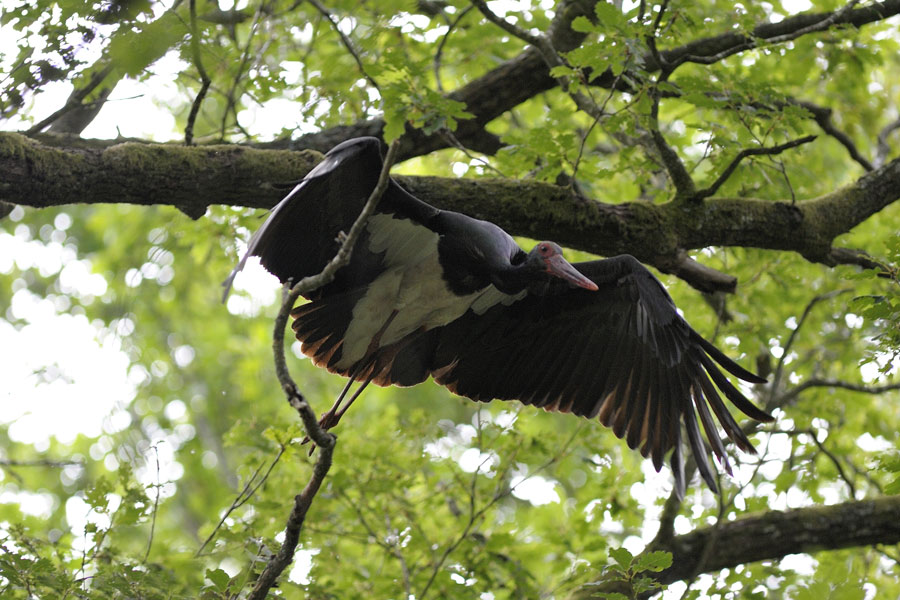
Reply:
x=822, y=117
x=454, y=142
x=836, y=383
x=323, y=439
x=770, y=150
x=475, y=515
x=779, y=369
x=551, y=57
x=55, y=464
x=204, y=78
x=835, y=461
x=344, y=40
x=245, y=58
x=440, y=48
x=243, y=496
x=883, y=147
x=155, y=508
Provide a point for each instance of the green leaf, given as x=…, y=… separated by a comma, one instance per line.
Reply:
x=219, y=578
x=652, y=561
x=582, y=25
x=622, y=556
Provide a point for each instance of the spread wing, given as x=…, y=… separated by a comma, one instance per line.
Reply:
x=300, y=235
x=621, y=354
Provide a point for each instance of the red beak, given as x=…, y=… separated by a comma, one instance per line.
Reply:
x=560, y=267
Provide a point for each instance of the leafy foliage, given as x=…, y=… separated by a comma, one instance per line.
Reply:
x=182, y=489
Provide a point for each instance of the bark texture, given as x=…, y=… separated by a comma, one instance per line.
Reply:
x=53, y=171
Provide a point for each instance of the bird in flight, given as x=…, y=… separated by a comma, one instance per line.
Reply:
x=431, y=292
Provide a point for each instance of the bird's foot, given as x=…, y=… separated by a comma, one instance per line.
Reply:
x=326, y=422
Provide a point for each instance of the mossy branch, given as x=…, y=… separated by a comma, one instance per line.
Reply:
x=774, y=535
x=52, y=172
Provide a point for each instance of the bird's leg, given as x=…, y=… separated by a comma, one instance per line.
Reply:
x=326, y=417
x=326, y=421
x=330, y=418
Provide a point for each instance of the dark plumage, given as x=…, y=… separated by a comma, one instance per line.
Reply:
x=431, y=292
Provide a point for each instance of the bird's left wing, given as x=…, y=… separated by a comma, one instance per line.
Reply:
x=621, y=354
x=299, y=237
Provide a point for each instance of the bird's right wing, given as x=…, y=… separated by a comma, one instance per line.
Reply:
x=621, y=354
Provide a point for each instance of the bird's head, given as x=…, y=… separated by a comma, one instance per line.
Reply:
x=548, y=258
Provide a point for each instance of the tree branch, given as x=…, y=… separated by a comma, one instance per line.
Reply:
x=527, y=75
x=344, y=40
x=551, y=57
x=41, y=462
x=323, y=439
x=678, y=173
x=715, y=48
x=835, y=383
x=74, y=101
x=59, y=172
x=884, y=148
x=205, y=81
x=510, y=28
x=774, y=535
x=822, y=116
x=729, y=170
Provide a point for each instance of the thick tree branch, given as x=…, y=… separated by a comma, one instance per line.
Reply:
x=58, y=172
x=527, y=75
x=75, y=99
x=487, y=97
x=774, y=535
x=715, y=48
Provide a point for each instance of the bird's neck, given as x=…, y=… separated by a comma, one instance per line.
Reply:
x=512, y=279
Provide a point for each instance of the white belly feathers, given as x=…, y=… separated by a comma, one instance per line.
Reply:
x=411, y=285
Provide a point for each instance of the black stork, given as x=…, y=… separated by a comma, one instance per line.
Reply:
x=434, y=292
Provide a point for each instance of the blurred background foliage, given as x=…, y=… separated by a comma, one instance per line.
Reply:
x=181, y=490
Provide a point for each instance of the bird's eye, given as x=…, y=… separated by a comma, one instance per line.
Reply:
x=544, y=249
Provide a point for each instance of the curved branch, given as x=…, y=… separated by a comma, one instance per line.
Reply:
x=729, y=170
x=324, y=440
x=716, y=48
x=822, y=117
x=883, y=147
